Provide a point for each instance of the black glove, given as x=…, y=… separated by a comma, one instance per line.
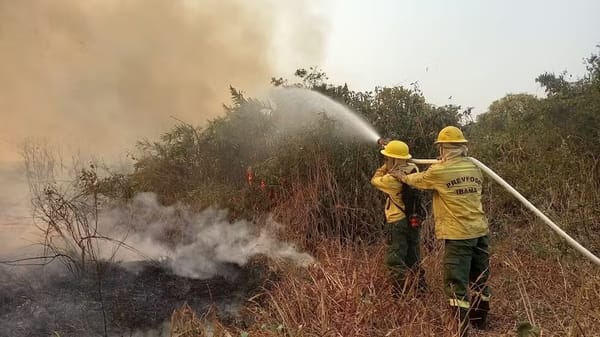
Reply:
x=383, y=141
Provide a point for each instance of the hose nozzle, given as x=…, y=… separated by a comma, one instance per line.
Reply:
x=383, y=141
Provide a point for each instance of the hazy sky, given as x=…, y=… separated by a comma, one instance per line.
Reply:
x=475, y=51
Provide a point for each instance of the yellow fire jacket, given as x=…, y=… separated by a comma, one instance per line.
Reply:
x=394, y=206
x=457, y=209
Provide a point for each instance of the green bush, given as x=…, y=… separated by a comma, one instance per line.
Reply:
x=313, y=168
x=549, y=150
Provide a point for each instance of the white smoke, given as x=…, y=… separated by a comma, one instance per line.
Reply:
x=196, y=245
x=96, y=76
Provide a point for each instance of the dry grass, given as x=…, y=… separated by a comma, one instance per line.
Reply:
x=348, y=293
x=562, y=297
x=185, y=323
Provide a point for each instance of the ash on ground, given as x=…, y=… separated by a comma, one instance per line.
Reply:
x=113, y=299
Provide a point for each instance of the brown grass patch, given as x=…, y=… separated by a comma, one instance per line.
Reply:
x=348, y=293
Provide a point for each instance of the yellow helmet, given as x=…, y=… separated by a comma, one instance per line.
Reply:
x=450, y=134
x=396, y=149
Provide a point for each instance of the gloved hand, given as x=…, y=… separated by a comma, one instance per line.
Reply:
x=383, y=141
x=398, y=175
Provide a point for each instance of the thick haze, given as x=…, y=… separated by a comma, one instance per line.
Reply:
x=99, y=75
x=96, y=76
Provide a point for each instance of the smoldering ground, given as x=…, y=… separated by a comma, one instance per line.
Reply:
x=115, y=299
x=161, y=257
x=97, y=76
x=195, y=245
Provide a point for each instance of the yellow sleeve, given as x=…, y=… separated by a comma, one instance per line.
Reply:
x=422, y=180
x=385, y=182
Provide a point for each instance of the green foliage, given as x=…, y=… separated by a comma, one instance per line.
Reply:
x=318, y=182
x=313, y=169
x=549, y=150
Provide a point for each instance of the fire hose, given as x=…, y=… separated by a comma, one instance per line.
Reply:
x=525, y=202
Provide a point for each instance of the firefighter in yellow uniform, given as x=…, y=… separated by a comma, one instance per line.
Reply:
x=403, y=252
x=461, y=223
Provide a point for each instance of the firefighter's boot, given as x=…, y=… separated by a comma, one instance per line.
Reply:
x=461, y=316
x=478, y=315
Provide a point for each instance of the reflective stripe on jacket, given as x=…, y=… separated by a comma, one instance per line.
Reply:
x=394, y=206
x=457, y=208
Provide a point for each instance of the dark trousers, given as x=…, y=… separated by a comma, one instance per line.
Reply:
x=403, y=252
x=466, y=263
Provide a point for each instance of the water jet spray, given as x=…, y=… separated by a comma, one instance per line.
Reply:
x=302, y=103
x=301, y=106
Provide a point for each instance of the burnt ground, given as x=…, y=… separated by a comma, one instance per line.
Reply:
x=115, y=300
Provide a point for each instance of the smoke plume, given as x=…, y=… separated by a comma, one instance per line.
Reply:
x=102, y=74
x=161, y=257
x=195, y=245
x=96, y=76
x=99, y=75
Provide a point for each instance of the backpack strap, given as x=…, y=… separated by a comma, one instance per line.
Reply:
x=412, y=199
x=409, y=195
